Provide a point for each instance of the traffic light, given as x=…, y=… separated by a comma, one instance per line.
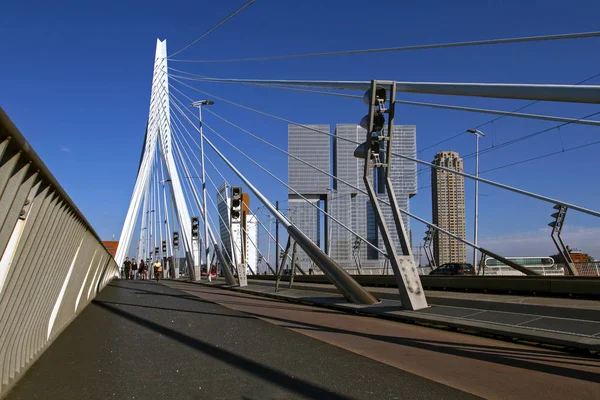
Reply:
x=559, y=217
x=164, y=246
x=156, y=251
x=375, y=129
x=175, y=240
x=195, y=227
x=236, y=202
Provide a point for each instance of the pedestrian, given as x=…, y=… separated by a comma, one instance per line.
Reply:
x=142, y=269
x=134, y=269
x=157, y=269
x=127, y=267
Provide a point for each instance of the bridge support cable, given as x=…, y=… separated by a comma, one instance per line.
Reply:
x=525, y=137
x=225, y=223
x=293, y=190
x=199, y=201
x=268, y=231
x=228, y=275
x=503, y=116
x=217, y=26
x=564, y=120
x=219, y=255
x=422, y=162
x=225, y=266
x=167, y=229
x=484, y=251
x=288, y=154
x=158, y=132
x=503, y=113
x=485, y=42
x=437, y=228
x=545, y=92
x=349, y=288
x=225, y=180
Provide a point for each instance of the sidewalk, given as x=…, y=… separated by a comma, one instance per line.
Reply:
x=561, y=322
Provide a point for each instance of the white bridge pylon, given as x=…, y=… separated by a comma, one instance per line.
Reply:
x=159, y=128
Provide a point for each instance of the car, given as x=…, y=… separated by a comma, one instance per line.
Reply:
x=454, y=269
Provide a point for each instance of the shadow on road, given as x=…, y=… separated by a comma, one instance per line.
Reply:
x=264, y=372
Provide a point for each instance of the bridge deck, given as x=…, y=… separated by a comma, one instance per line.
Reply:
x=144, y=340
x=183, y=341
x=570, y=323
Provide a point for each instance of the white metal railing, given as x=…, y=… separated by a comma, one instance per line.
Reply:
x=52, y=263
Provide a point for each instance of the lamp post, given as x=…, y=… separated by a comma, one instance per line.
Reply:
x=199, y=105
x=478, y=134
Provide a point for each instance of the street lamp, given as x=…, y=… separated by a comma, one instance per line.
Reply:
x=478, y=134
x=199, y=105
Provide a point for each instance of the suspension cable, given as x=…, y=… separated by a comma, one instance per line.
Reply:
x=409, y=48
x=422, y=104
x=225, y=180
x=290, y=188
x=212, y=29
x=210, y=198
x=483, y=180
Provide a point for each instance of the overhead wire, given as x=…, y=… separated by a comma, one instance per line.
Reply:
x=525, y=137
x=289, y=187
x=450, y=170
x=179, y=147
x=500, y=117
x=579, y=35
x=403, y=211
x=268, y=231
x=233, y=14
x=542, y=156
x=415, y=103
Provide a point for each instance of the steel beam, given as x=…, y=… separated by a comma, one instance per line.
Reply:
x=564, y=93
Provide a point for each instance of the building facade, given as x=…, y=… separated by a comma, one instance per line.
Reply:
x=354, y=208
x=448, y=205
x=314, y=148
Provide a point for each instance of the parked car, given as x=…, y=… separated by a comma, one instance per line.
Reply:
x=454, y=269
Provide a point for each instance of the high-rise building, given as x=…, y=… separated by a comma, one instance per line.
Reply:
x=314, y=148
x=354, y=208
x=403, y=174
x=448, y=204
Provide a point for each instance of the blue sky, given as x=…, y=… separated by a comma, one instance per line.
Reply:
x=75, y=78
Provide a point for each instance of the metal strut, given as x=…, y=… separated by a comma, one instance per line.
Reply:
x=405, y=270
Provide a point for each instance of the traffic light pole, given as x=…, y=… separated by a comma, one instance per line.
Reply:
x=199, y=104
x=276, y=236
x=203, y=200
x=563, y=250
x=409, y=284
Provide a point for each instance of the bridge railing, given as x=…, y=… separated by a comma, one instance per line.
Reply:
x=52, y=263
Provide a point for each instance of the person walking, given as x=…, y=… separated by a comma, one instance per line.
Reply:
x=127, y=267
x=134, y=269
x=142, y=269
x=157, y=269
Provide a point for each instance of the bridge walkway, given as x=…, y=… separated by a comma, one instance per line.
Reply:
x=565, y=322
x=146, y=340
x=176, y=340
